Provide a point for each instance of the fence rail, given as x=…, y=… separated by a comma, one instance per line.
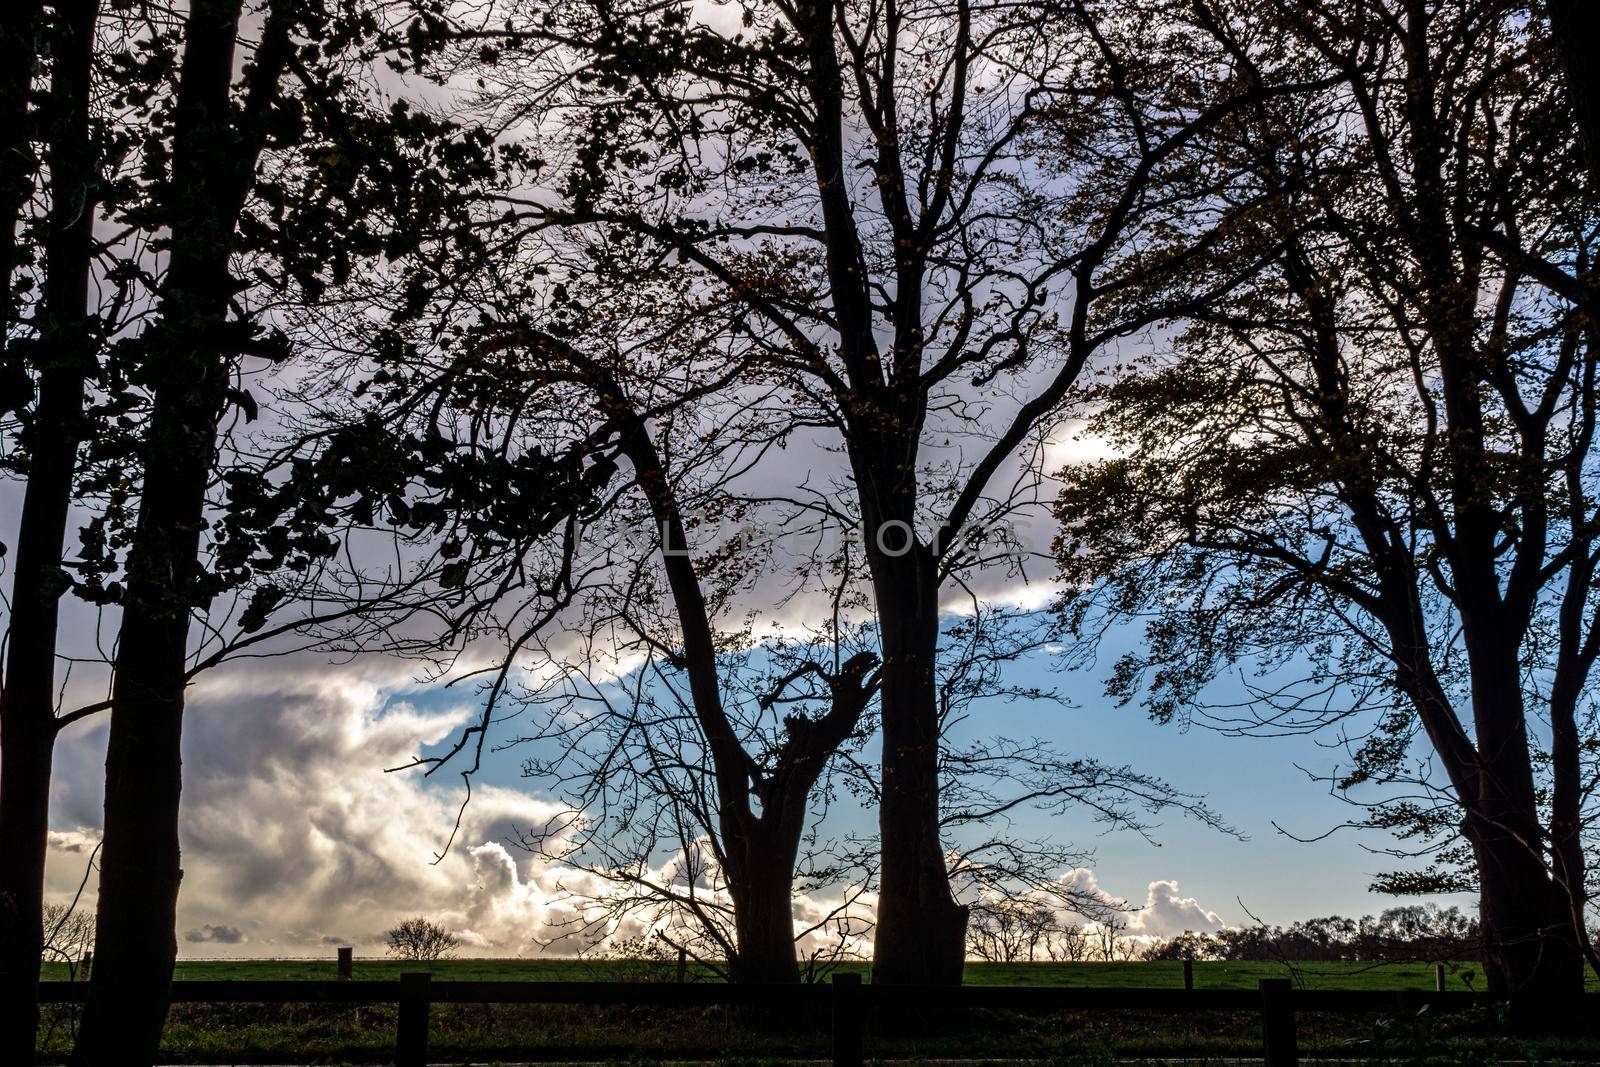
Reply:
x=846, y=999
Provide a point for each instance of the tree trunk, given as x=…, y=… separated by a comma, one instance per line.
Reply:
x=25, y=744
x=53, y=433
x=1572, y=22
x=135, y=941
x=761, y=886
x=920, y=937
x=19, y=51
x=1529, y=945
x=214, y=159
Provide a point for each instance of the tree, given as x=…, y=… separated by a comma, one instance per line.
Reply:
x=684, y=759
x=1571, y=23
x=68, y=934
x=1375, y=459
x=1424, y=933
x=418, y=938
x=859, y=181
x=54, y=367
x=689, y=726
x=261, y=196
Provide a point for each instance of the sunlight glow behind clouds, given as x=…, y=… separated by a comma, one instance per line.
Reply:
x=296, y=840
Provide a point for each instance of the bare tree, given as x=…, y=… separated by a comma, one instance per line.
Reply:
x=68, y=934
x=1008, y=930
x=419, y=938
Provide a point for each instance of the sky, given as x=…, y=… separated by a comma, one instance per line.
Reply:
x=296, y=839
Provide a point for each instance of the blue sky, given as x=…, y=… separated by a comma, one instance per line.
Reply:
x=295, y=838
x=1251, y=782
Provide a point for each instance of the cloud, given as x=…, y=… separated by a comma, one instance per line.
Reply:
x=222, y=935
x=293, y=834
x=295, y=838
x=79, y=842
x=1165, y=912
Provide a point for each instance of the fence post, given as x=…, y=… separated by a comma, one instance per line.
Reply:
x=1438, y=978
x=1188, y=974
x=411, y=1033
x=683, y=965
x=347, y=965
x=846, y=1020
x=1282, y=1049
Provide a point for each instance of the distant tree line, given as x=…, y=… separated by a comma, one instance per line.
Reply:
x=1410, y=932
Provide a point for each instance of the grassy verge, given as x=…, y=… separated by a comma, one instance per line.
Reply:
x=309, y=1033
x=1154, y=975
x=492, y=1033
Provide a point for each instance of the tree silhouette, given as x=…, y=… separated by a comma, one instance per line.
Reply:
x=1375, y=459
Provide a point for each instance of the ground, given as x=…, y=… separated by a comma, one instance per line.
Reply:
x=240, y=1033
x=1163, y=974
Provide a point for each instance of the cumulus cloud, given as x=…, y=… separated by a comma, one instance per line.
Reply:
x=292, y=831
x=1165, y=912
x=296, y=839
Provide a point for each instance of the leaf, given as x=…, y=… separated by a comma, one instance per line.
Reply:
x=245, y=402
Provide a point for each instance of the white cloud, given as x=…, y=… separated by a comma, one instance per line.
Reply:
x=1164, y=914
x=296, y=839
x=293, y=834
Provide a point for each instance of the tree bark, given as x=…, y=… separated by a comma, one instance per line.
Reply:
x=920, y=937
x=214, y=160
x=1530, y=947
x=1571, y=23
x=19, y=51
x=53, y=432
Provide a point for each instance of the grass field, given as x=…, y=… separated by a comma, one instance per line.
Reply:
x=332, y=1034
x=1207, y=975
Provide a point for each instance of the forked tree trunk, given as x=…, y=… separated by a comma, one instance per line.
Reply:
x=1530, y=947
x=759, y=851
x=1530, y=951
x=761, y=886
x=27, y=698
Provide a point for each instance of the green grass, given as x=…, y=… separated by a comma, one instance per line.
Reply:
x=1158, y=975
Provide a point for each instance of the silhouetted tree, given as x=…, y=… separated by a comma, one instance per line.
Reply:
x=261, y=191
x=911, y=206
x=42, y=387
x=1376, y=458
x=1411, y=933
x=419, y=938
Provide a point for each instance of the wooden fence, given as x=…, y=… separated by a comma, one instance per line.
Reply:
x=846, y=999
